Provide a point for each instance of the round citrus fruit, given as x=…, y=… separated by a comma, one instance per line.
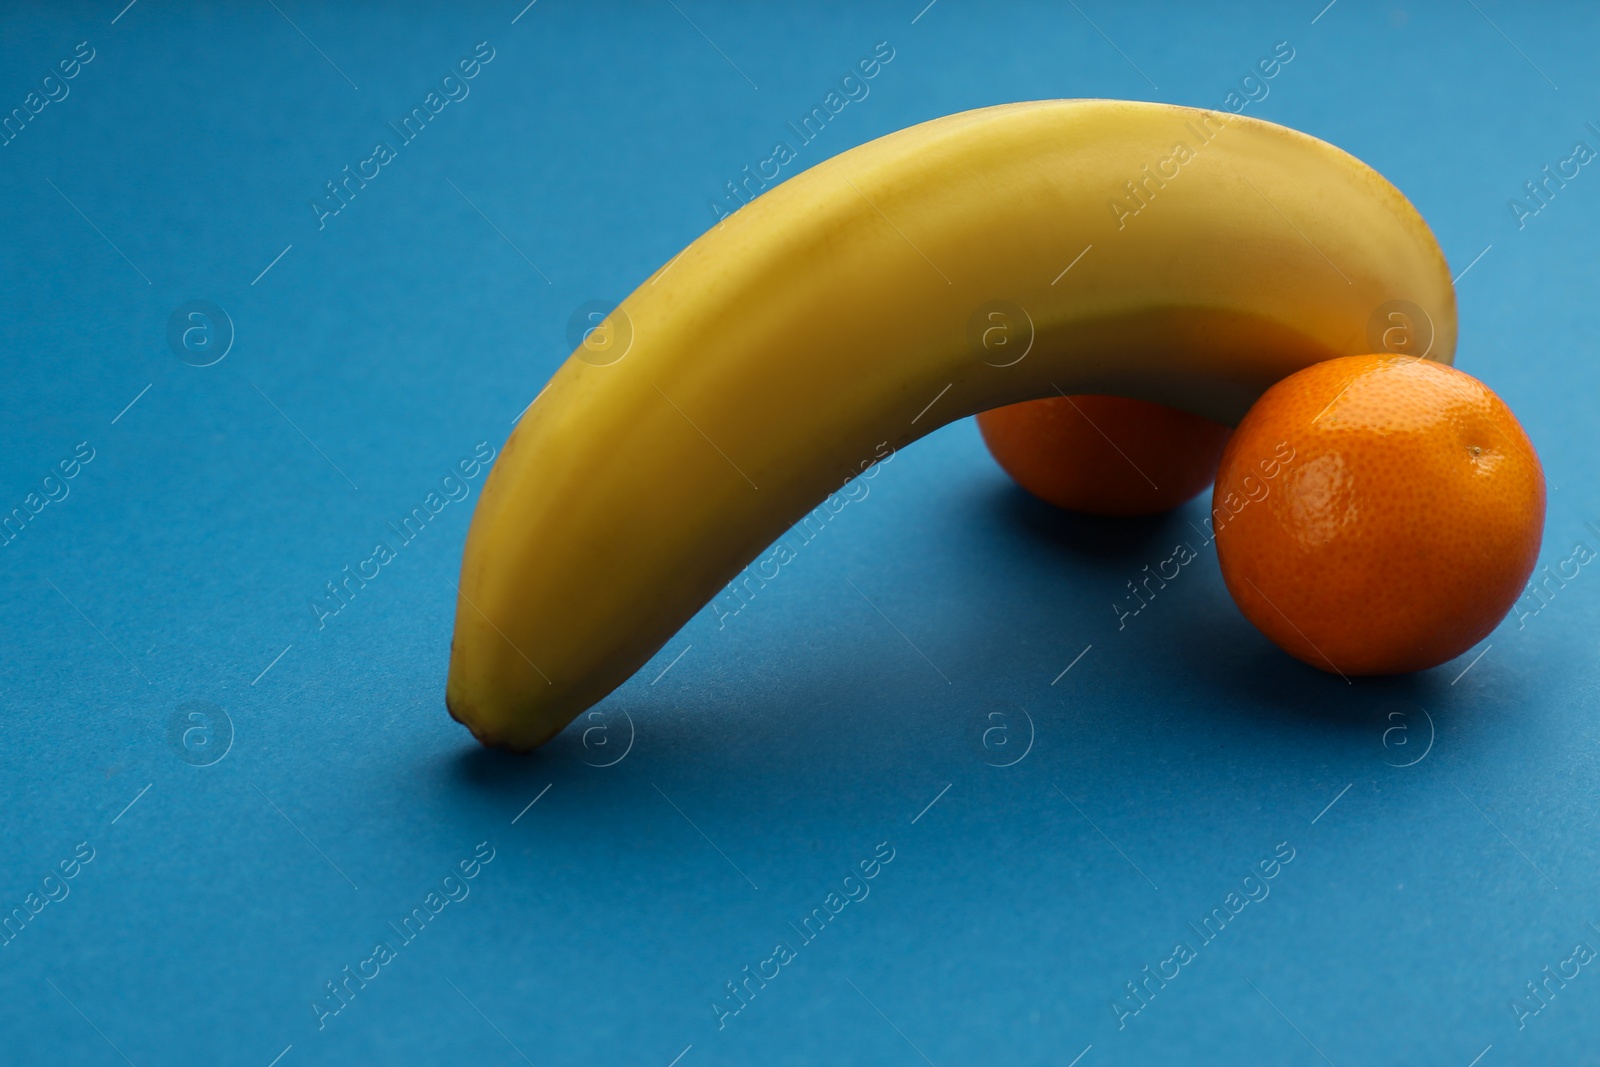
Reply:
x=1377, y=514
x=1104, y=455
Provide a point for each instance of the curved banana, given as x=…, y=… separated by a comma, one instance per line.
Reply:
x=1082, y=246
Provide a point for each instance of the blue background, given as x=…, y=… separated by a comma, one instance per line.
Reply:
x=760, y=760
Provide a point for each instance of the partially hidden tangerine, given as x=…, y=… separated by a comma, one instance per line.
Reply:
x=1104, y=455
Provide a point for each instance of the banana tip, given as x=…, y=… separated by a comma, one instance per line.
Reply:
x=485, y=737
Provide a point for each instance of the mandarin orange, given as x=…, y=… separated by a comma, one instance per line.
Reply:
x=1378, y=514
x=1104, y=455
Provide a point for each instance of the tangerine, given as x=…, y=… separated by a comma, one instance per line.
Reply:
x=1399, y=523
x=1104, y=455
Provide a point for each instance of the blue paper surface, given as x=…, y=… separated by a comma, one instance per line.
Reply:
x=220, y=803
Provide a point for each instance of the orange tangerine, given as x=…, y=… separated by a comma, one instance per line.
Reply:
x=1401, y=522
x=1104, y=455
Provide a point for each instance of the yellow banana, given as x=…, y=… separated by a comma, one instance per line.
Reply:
x=1079, y=246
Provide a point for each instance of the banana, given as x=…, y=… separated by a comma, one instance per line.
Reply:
x=1181, y=256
